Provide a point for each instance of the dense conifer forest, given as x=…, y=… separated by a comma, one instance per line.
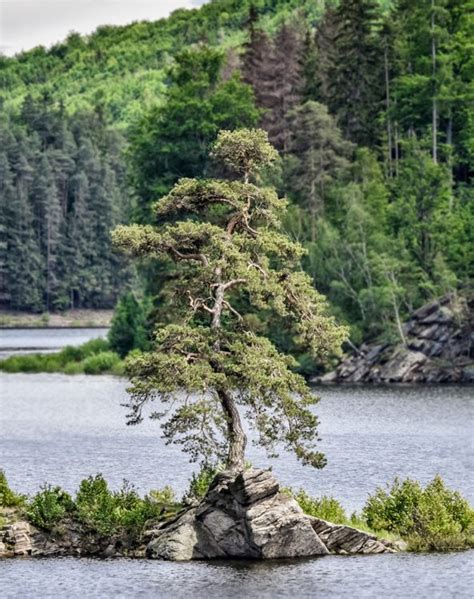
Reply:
x=368, y=103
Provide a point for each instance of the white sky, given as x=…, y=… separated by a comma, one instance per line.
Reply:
x=28, y=23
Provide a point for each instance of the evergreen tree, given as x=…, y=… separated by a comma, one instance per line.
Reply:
x=355, y=86
x=128, y=328
x=208, y=351
x=319, y=155
x=63, y=190
x=172, y=140
x=326, y=56
x=274, y=70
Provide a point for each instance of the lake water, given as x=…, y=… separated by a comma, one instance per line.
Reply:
x=23, y=341
x=60, y=428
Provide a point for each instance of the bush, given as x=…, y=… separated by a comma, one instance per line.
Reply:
x=27, y=363
x=70, y=360
x=200, y=483
x=73, y=368
x=101, y=362
x=95, y=505
x=433, y=518
x=107, y=512
x=9, y=498
x=326, y=508
x=49, y=506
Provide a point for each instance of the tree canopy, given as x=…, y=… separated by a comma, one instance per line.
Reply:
x=225, y=242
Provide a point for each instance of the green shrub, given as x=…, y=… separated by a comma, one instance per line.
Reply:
x=9, y=498
x=73, y=368
x=70, y=354
x=433, y=518
x=95, y=505
x=49, y=506
x=68, y=360
x=200, y=483
x=27, y=363
x=107, y=512
x=101, y=362
x=326, y=508
x=93, y=347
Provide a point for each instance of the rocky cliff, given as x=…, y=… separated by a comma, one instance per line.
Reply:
x=438, y=348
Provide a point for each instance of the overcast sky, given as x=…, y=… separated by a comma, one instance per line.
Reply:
x=28, y=23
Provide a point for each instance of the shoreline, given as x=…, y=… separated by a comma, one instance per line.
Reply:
x=69, y=319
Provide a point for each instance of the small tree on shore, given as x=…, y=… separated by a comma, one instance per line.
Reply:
x=231, y=258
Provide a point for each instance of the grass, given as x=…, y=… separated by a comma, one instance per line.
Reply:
x=93, y=357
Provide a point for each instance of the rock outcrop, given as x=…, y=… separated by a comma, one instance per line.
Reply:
x=249, y=517
x=439, y=348
x=19, y=538
x=244, y=516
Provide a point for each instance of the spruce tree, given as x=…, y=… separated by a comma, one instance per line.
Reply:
x=355, y=86
x=319, y=155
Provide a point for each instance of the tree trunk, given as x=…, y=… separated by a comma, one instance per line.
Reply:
x=237, y=438
x=387, y=105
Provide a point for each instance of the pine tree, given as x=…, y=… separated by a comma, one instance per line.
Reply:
x=47, y=219
x=227, y=244
x=326, y=57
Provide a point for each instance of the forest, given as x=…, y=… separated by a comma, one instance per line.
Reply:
x=369, y=105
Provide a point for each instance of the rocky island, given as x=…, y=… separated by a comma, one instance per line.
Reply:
x=243, y=516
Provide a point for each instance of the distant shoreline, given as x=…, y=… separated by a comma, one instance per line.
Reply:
x=69, y=319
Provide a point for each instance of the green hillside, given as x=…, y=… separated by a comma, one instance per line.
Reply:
x=123, y=69
x=369, y=104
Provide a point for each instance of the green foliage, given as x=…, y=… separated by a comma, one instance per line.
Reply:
x=62, y=189
x=326, y=508
x=102, y=362
x=172, y=140
x=92, y=357
x=430, y=518
x=9, y=498
x=49, y=506
x=200, y=483
x=128, y=328
x=105, y=512
x=231, y=252
x=383, y=235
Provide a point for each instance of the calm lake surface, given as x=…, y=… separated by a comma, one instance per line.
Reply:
x=60, y=428
x=24, y=341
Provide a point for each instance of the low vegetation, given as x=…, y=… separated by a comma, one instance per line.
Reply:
x=9, y=498
x=433, y=518
x=93, y=357
x=95, y=508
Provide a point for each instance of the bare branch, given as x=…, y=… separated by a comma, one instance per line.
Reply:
x=199, y=257
x=233, y=310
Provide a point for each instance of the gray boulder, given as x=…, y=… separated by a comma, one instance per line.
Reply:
x=247, y=516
